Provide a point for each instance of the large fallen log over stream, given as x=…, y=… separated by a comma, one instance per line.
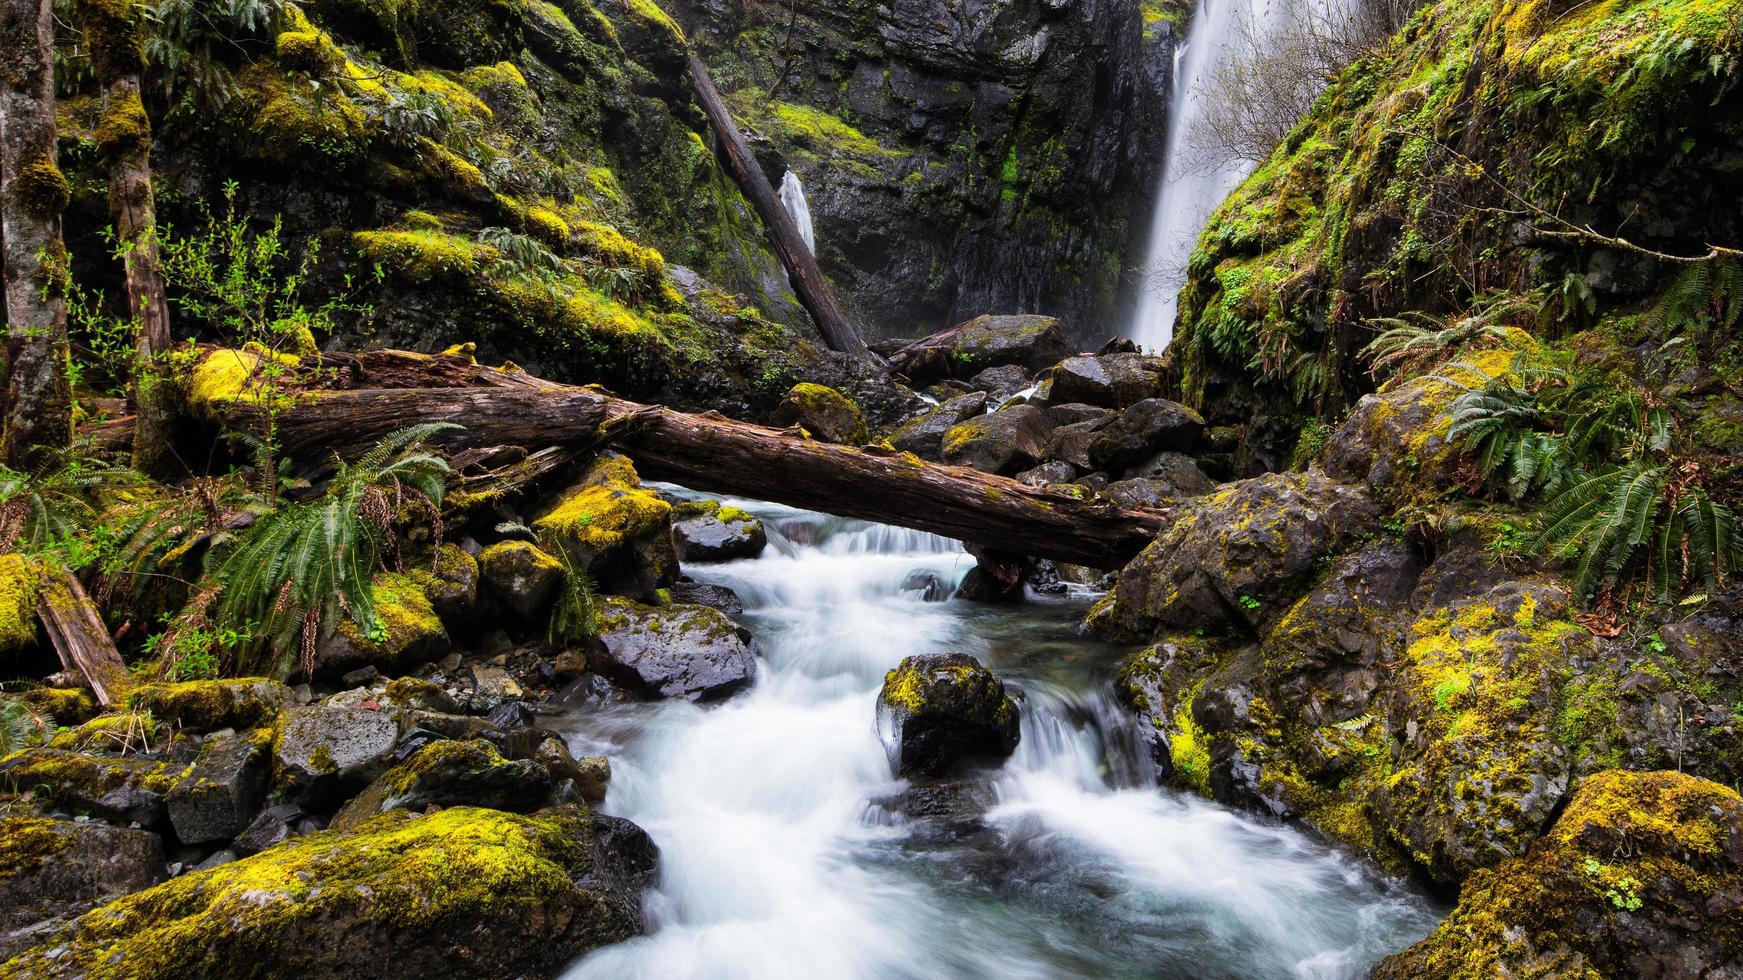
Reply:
x=713, y=454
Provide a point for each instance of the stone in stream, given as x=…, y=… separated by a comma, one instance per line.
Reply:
x=924, y=436
x=935, y=709
x=675, y=651
x=704, y=530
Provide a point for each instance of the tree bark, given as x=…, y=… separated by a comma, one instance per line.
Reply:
x=33, y=193
x=802, y=271
x=72, y=623
x=714, y=454
x=114, y=34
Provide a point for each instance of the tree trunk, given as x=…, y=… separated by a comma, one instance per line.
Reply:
x=114, y=34
x=72, y=623
x=714, y=454
x=33, y=193
x=807, y=279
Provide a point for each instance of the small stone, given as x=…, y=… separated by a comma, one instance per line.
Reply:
x=939, y=708
x=521, y=575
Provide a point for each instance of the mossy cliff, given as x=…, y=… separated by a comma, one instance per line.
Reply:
x=998, y=158
x=464, y=892
x=1459, y=161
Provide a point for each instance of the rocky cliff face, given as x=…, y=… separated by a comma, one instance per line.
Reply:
x=960, y=157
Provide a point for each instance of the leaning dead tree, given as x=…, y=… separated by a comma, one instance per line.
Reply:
x=75, y=629
x=705, y=452
x=802, y=271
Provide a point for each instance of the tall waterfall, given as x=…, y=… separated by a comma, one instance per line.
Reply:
x=793, y=199
x=1191, y=189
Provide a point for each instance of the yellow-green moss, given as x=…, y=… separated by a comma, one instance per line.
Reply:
x=206, y=706
x=404, y=617
x=610, y=247
x=290, y=123
x=490, y=76
x=818, y=130
x=310, y=50
x=423, y=255
x=27, y=842
x=606, y=508
x=124, y=129
x=225, y=377
x=130, y=731
x=457, y=175
x=20, y=586
x=649, y=11
x=42, y=189
x=66, y=705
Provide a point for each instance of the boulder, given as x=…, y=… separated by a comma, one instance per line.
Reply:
x=128, y=789
x=1074, y=413
x=1236, y=556
x=217, y=798
x=490, y=688
x=1002, y=382
x=1142, y=493
x=702, y=594
x=1142, y=430
x=522, y=575
x=1641, y=876
x=54, y=870
x=206, y=706
x=1003, y=442
x=615, y=529
x=1030, y=342
x=935, y=709
x=587, y=778
x=1178, y=470
x=1070, y=443
x=450, y=581
x=465, y=892
x=419, y=694
x=449, y=772
x=823, y=412
x=321, y=754
x=705, y=530
x=269, y=828
x=1048, y=473
x=924, y=436
x=1109, y=380
x=676, y=651
x=410, y=632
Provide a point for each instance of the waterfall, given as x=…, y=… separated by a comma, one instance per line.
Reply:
x=793, y=199
x=1191, y=189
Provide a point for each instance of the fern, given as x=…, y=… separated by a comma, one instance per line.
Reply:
x=1417, y=339
x=20, y=728
x=291, y=576
x=575, y=616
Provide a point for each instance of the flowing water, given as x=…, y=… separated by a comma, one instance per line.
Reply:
x=793, y=199
x=788, y=850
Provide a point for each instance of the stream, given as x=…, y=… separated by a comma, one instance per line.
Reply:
x=788, y=850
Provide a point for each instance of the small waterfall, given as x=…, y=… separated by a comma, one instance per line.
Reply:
x=1191, y=189
x=793, y=199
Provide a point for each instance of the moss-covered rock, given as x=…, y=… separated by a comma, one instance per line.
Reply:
x=409, y=632
x=53, y=870
x=673, y=651
x=1004, y=442
x=66, y=705
x=323, y=754
x=122, y=790
x=449, y=580
x=615, y=529
x=704, y=530
x=451, y=772
x=206, y=706
x=1639, y=877
x=521, y=575
x=936, y=709
x=466, y=892
x=823, y=412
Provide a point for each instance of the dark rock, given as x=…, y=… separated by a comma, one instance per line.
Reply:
x=613, y=528
x=924, y=436
x=823, y=412
x=938, y=708
x=54, y=870
x=590, y=776
x=1027, y=343
x=1639, y=877
x=451, y=773
x=1108, y=380
x=269, y=828
x=512, y=714
x=707, y=531
x=714, y=596
x=521, y=575
x=1003, y=442
x=361, y=677
x=1048, y=473
x=1144, y=429
x=1070, y=443
x=1074, y=413
x=122, y=790
x=981, y=585
x=1142, y=493
x=1177, y=469
x=674, y=651
x=1000, y=383
x=215, y=799
x=323, y=753
x=925, y=586
x=462, y=892
x=450, y=581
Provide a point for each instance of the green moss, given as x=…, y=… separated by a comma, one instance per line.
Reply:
x=224, y=377
x=124, y=129
x=406, y=622
x=1189, y=750
x=289, y=123
x=206, y=706
x=610, y=247
x=115, y=35
x=424, y=255
x=130, y=731
x=20, y=586
x=819, y=131
x=26, y=843
x=66, y=705
x=606, y=508
x=42, y=189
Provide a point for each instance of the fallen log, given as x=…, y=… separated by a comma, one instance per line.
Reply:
x=802, y=270
x=714, y=454
x=80, y=639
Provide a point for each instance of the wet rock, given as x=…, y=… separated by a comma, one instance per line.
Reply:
x=707, y=531
x=674, y=651
x=121, y=790
x=1048, y=473
x=1027, y=342
x=588, y=777
x=463, y=892
x=1236, y=556
x=1108, y=380
x=522, y=575
x=1639, y=877
x=1070, y=443
x=827, y=414
x=450, y=581
x=490, y=688
x=54, y=870
x=206, y=706
x=448, y=773
x=410, y=632
x=216, y=799
x=1003, y=442
x=924, y=436
x=714, y=596
x=925, y=586
x=1076, y=413
x=1000, y=383
x=323, y=753
x=617, y=530
x=936, y=709
x=1144, y=429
